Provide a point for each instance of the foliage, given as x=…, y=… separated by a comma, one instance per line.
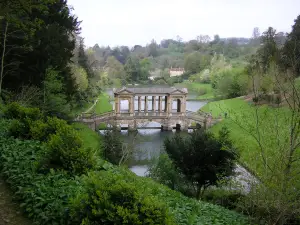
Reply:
x=195, y=62
x=263, y=151
x=230, y=83
x=64, y=146
x=291, y=49
x=115, y=68
x=113, y=200
x=201, y=158
x=80, y=77
x=112, y=147
x=55, y=101
x=44, y=197
x=44, y=27
x=164, y=172
x=65, y=151
x=54, y=197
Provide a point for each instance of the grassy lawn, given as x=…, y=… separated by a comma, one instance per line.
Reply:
x=90, y=138
x=103, y=105
x=204, y=91
x=241, y=121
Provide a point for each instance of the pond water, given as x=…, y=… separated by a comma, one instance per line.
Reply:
x=148, y=143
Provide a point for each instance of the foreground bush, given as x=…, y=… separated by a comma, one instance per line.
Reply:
x=64, y=146
x=114, y=200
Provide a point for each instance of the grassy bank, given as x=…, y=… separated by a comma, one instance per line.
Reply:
x=103, y=105
x=90, y=138
x=242, y=122
x=203, y=91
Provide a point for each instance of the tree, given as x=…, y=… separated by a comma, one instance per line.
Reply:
x=114, y=68
x=195, y=62
x=152, y=49
x=145, y=68
x=80, y=77
x=203, y=159
x=291, y=50
x=83, y=59
x=132, y=68
x=268, y=53
x=43, y=38
x=112, y=146
x=55, y=100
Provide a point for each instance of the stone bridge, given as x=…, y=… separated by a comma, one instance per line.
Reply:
x=156, y=109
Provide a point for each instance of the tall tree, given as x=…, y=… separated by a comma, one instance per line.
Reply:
x=291, y=49
x=203, y=159
x=83, y=59
x=47, y=32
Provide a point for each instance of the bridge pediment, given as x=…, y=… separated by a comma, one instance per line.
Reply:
x=179, y=91
x=124, y=90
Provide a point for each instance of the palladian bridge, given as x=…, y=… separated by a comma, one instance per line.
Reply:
x=166, y=106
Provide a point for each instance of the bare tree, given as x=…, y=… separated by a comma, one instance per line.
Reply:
x=3, y=44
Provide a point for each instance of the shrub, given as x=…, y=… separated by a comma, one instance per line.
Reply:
x=16, y=111
x=66, y=151
x=115, y=200
x=23, y=117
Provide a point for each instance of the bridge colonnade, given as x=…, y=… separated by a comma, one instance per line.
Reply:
x=161, y=107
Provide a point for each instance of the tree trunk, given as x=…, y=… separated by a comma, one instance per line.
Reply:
x=199, y=193
x=2, y=57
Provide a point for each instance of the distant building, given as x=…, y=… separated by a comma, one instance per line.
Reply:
x=176, y=72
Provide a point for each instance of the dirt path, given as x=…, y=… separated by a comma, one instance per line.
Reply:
x=10, y=213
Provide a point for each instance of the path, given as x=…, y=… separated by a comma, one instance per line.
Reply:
x=10, y=213
x=92, y=106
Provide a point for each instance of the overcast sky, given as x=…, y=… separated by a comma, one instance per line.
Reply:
x=131, y=22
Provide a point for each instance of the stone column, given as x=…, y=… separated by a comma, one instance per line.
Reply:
x=166, y=103
x=146, y=103
x=169, y=101
x=183, y=105
x=154, y=103
x=117, y=105
x=131, y=109
x=159, y=104
x=139, y=103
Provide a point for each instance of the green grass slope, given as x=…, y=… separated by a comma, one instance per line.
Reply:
x=242, y=123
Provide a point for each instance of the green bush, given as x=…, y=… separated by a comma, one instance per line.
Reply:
x=16, y=111
x=23, y=117
x=115, y=200
x=64, y=146
x=66, y=151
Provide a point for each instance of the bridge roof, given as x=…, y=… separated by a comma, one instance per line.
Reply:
x=155, y=90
